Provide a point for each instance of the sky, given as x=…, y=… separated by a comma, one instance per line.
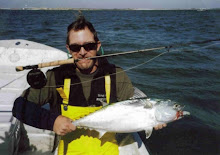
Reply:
x=111, y=4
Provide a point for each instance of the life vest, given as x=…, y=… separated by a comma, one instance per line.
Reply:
x=74, y=106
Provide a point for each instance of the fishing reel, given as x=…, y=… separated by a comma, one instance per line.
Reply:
x=36, y=79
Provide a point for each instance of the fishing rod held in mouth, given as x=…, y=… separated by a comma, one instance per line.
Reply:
x=71, y=61
x=46, y=64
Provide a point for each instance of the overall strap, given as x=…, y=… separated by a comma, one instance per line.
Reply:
x=107, y=88
x=64, y=93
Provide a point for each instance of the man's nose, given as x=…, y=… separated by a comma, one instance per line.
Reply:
x=82, y=51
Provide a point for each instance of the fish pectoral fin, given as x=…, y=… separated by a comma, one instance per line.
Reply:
x=148, y=132
x=101, y=133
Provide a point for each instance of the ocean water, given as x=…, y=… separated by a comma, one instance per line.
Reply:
x=188, y=75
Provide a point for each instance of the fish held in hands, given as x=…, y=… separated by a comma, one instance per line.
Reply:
x=134, y=115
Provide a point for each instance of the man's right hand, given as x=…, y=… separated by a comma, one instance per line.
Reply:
x=63, y=125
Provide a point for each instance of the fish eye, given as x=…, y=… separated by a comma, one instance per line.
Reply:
x=176, y=106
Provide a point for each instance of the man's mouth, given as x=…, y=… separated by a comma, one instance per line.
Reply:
x=83, y=58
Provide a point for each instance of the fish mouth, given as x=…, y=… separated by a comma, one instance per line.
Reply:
x=179, y=111
x=180, y=114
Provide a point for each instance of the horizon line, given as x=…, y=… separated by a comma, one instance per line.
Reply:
x=45, y=8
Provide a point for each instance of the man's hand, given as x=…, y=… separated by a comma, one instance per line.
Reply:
x=160, y=126
x=63, y=125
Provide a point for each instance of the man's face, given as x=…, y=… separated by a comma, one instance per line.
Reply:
x=83, y=37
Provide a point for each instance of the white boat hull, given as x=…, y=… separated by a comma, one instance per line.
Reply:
x=21, y=53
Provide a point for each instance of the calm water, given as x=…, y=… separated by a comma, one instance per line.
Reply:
x=189, y=75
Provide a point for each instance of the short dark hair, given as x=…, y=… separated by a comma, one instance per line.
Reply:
x=80, y=24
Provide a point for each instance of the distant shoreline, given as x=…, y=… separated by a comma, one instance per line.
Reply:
x=198, y=9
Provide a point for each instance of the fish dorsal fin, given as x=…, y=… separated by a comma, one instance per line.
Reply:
x=142, y=98
x=138, y=93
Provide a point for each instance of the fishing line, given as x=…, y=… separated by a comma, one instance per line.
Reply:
x=12, y=81
x=198, y=47
x=191, y=43
x=126, y=70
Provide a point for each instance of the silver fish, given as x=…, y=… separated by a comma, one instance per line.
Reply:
x=134, y=115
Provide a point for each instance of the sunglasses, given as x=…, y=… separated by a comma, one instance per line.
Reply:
x=87, y=47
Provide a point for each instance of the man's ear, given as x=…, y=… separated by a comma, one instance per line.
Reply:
x=67, y=47
x=98, y=45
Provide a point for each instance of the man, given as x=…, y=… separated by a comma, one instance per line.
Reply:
x=81, y=87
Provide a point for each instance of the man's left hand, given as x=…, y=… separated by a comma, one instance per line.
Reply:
x=160, y=126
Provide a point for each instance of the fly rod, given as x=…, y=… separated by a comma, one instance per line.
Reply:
x=71, y=61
